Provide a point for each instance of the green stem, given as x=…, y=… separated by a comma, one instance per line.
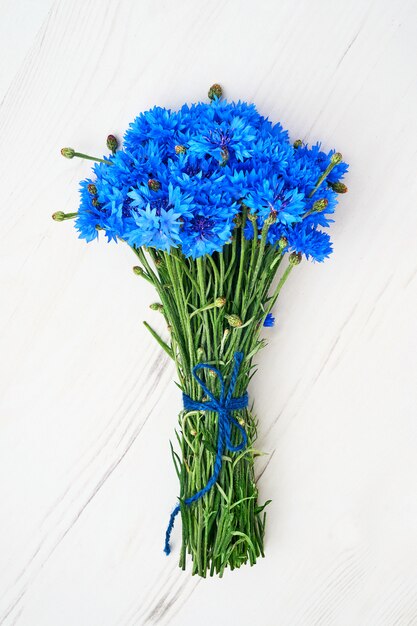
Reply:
x=280, y=285
x=159, y=339
x=326, y=172
x=80, y=155
x=202, y=287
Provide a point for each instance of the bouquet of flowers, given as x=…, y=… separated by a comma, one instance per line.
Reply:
x=219, y=207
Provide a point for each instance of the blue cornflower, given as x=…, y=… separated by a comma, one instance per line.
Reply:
x=159, y=230
x=166, y=197
x=309, y=241
x=273, y=196
x=269, y=320
x=90, y=213
x=188, y=171
x=157, y=216
x=205, y=231
x=157, y=124
x=224, y=139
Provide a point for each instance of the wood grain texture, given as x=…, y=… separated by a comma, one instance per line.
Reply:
x=88, y=402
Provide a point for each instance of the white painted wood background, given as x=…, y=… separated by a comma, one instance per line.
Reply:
x=88, y=402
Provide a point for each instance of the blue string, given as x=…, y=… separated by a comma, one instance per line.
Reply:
x=223, y=405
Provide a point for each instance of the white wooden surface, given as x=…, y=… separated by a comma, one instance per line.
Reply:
x=88, y=402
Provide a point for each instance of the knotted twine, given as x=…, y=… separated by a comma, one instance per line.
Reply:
x=224, y=405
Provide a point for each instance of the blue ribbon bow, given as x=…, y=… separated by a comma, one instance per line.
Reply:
x=223, y=405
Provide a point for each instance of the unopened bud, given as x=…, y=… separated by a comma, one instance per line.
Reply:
x=295, y=258
x=180, y=149
x=234, y=320
x=215, y=91
x=338, y=187
x=297, y=144
x=193, y=432
x=224, y=157
x=282, y=243
x=241, y=421
x=220, y=302
x=320, y=205
x=138, y=270
x=200, y=354
x=336, y=158
x=58, y=216
x=156, y=306
x=272, y=218
x=237, y=220
x=112, y=143
x=68, y=153
x=95, y=202
x=92, y=189
x=153, y=184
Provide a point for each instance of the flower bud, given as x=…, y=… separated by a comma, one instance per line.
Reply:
x=241, y=421
x=180, y=149
x=234, y=320
x=295, y=258
x=156, y=306
x=297, y=144
x=68, y=153
x=282, y=243
x=92, y=189
x=338, y=187
x=112, y=143
x=220, y=302
x=320, y=205
x=237, y=220
x=272, y=218
x=95, y=202
x=58, y=216
x=200, y=354
x=193, y=432
x=336, y=158
x=215, y=91
x=224, y=157
x=138, y=270
x=153, y=184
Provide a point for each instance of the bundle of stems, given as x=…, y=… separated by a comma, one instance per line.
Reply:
x=214, y=306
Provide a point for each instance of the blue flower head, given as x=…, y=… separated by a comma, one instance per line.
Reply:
x=269, y=320
x=273, y=196
x=207, y=161
x=157, y=216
